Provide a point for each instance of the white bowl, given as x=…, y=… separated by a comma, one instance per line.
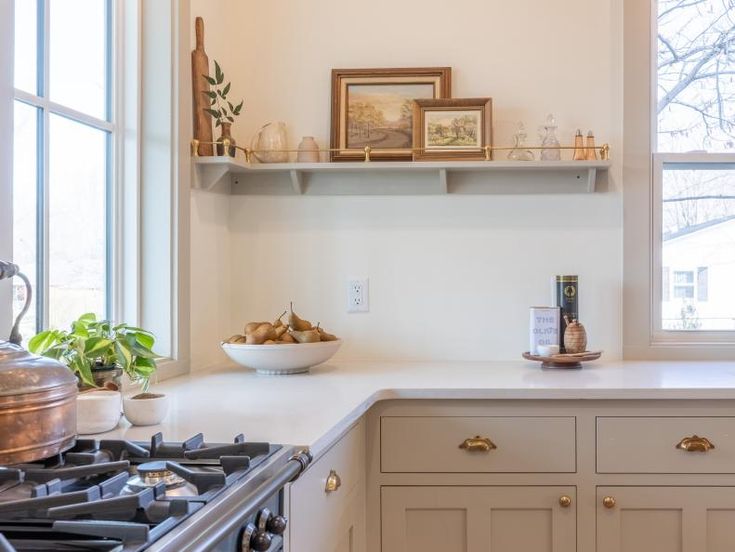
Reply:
x=146, y=411
x=97, y=411
x=282, y=358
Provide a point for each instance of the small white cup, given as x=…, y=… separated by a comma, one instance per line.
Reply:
x=547, y=350
x=149, y=410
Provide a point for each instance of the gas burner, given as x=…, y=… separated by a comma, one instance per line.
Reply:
x=151, y=474
x=118, y=494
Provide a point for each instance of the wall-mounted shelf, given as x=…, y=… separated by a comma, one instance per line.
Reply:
x=398, y=178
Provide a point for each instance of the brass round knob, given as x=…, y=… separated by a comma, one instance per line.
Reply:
x=334, y=482
x=608, y=502
x=565, y=501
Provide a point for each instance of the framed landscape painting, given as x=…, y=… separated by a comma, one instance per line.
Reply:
x=452, y=129
x=374, y=107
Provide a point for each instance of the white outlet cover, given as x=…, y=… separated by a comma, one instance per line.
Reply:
x=358, y=295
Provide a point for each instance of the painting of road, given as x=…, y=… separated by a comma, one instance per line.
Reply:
x=381, y=115
x=453, y=129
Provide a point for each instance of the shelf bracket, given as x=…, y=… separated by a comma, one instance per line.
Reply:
x=591, y=179
x=211, y=175
x=297, y=181
x=443, y=186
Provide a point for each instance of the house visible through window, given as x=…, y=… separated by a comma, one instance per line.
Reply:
x=63, y=139
x=694, y=165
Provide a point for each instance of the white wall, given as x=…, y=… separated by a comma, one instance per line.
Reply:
x=450, y=277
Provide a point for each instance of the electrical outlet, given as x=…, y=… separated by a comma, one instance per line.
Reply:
x=358, y=296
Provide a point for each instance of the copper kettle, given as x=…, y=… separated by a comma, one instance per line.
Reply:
x=37, y=396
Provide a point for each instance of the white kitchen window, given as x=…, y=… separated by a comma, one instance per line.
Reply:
x=99, y=200
x=679, y=179
x=693, y=199
x=64, y=144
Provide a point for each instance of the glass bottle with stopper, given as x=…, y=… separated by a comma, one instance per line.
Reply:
x=549, y=140
x=519, y=151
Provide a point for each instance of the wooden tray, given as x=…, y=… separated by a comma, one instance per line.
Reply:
x=563, y=360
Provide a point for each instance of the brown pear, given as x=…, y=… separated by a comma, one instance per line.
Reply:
x=298, y=324
x=270, y=342
x=250, y=327
x=286, y=338
x=236, y=339
x=306, y=336
x=262, y=333
x=280, y=330
x=326, y=336
x=278, y=322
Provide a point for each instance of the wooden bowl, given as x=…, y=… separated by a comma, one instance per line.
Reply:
x=562, y=360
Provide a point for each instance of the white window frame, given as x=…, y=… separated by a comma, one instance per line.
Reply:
x=643, y=168
x=111, y=127
x=153, y=46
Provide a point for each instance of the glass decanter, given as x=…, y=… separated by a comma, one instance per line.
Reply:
x=549, y=140
x=519, y=151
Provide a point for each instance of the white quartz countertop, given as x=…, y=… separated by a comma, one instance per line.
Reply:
x=314, y=409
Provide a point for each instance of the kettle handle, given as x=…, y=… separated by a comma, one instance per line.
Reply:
x=255, y=139
x=8, y=270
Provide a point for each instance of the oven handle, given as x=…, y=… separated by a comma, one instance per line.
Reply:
x=238, y=513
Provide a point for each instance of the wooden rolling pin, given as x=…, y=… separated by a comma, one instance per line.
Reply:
x=199, y=68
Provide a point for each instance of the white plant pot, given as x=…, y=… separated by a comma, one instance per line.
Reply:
x=149, y=410
x=97, y=411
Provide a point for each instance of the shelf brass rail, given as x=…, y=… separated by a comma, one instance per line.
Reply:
x=227, y=145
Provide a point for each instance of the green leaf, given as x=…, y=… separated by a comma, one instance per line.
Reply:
x=96, y=344
x=123, y=355
x=41, y=342
x=210, y=80
x=213, y=112
x=226, y=89
x=230, y=119
x=232, y=107
x=218, y=74
x=212, y=95
x=145, y=339
x=237, y=109
x=88, y=318
x=218, y=123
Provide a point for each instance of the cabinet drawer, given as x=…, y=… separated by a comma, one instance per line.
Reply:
x=649, y=445
x=318, y=517
x=432, y=444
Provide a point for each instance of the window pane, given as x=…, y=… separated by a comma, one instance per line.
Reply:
x=26, y=45
x=696, y=75
x=24, y=210
x=78, y=50
x=699, y=246
x=77, y=220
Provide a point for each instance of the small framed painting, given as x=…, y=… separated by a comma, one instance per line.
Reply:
x=374, y=107
x=452, y=129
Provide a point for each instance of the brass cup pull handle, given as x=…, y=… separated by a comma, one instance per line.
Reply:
x=334, y=482
x=478, y=444
x=608, y=502
x=695, y=444
x=565, y=501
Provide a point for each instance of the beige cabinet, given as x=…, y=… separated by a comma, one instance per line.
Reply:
x=665, y=519
x=326, y=504
x=478, y=519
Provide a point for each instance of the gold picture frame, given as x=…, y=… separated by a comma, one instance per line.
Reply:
x=373, y=107
x=452, y=129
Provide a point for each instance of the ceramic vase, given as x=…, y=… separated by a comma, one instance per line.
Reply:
x=226, y=128
x=269, y=143
x=308, y=150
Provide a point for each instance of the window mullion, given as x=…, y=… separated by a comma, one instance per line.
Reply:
x=42, y=213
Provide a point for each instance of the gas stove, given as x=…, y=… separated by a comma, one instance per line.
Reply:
x=128, y=496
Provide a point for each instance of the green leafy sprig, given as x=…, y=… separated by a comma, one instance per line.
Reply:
x=222, y=109
x=93, y=343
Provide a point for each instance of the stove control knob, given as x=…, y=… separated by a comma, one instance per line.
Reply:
x=260, y=541
x=277, y=525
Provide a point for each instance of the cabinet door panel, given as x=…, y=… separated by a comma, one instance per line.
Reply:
x=477, y=519
x=666, y=519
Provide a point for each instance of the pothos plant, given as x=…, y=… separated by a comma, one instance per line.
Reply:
x=222, y=109
x=93, y=343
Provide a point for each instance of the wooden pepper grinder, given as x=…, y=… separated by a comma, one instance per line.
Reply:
x=579, y=151
x=575, y=337
x=591, y=149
